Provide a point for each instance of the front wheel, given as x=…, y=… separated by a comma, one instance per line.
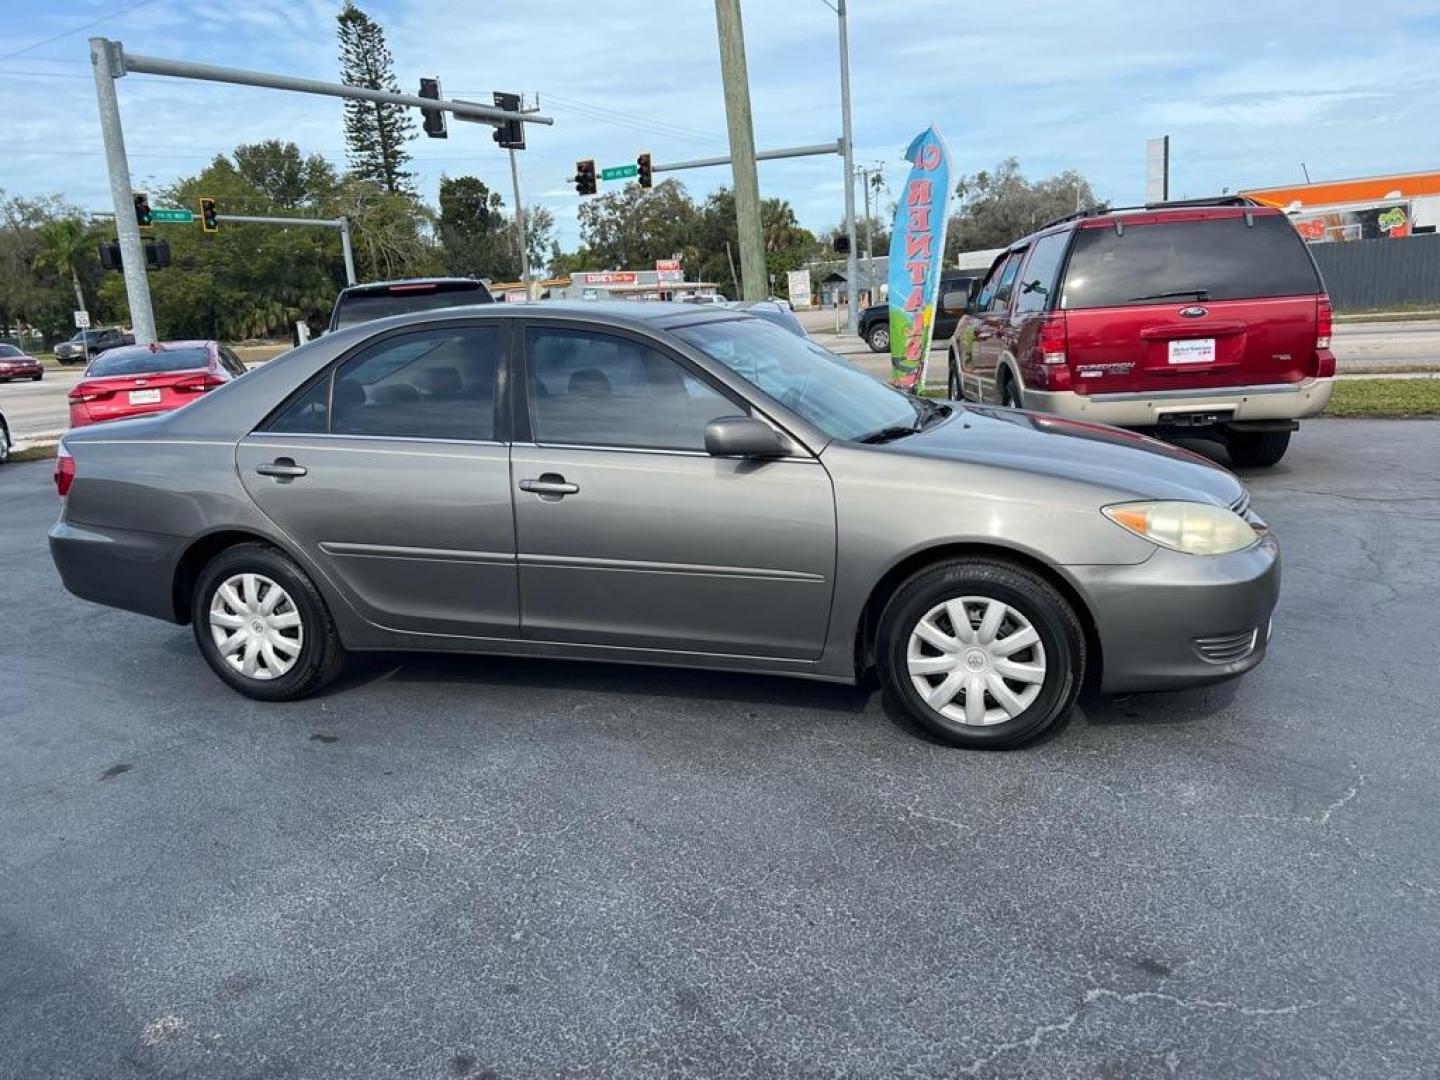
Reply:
x=879, y=338
x=4, y=444
x=954, y=388
x=1257, y=449
x=982, y=653
x=263, y=627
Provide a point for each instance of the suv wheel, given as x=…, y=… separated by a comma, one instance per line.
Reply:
x=879, y=337
x=4, y=444
x=982, y=653
x=954, y=388
x=263, y=626
x=1256, y=449
x=1010, y=393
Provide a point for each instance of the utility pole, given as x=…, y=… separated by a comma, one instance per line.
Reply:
x=852, y=317
x=109, y=66
x=869, y=237
x=740, y=124
x=520, y=225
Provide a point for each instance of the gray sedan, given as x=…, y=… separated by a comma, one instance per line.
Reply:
x=664, y=484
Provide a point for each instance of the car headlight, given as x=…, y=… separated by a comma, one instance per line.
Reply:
x=1192, y=527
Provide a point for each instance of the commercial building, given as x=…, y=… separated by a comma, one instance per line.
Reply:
x=1366, y=208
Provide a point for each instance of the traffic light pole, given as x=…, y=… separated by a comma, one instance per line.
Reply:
x=106, y=58
x=760, y=155
x=325, y=223
x=852, y=310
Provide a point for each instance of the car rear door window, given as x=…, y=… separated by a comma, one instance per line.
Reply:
x=433, y=384
x=1037, y=283
x=595, y=389
x=1199, y=259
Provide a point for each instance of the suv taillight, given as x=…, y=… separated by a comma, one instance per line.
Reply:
x=1324, y=322
x=1053, y=338
x=64, y=470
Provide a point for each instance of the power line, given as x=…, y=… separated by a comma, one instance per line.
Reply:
x=76, y=29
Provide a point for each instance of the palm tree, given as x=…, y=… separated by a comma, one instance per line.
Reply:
x=63, y=244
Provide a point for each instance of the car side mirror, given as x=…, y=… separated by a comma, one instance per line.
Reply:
x=744, y=436
x=955, y=302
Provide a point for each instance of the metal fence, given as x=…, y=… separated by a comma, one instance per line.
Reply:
x=1361, y=274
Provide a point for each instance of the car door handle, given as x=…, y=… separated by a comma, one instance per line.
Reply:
x=281, y=469
x=549, y=484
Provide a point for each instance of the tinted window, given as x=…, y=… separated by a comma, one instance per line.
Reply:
x=839, y=399
x=1037, y=283
x=363, y=307
x=10, y=350
x=1005, y=285
x=140, y=360
x=436, y=384
x=1174, y=261
x=599, y=390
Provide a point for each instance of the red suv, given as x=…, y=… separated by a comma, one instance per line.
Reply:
x=1203, y=319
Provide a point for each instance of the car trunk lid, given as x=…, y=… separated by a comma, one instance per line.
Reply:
x=107, y=397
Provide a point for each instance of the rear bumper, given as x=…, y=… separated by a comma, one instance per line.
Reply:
x=1177, y=621
x=1283, y=401
x=118, y=567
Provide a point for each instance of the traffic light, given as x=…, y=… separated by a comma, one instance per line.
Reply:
x=842, y=244
x=142, y=209
x=110, y=255
x=209, y=219
x=510, y=134
x=643, y=172
x=585, y=177
x=157, y=254
x=433, y=119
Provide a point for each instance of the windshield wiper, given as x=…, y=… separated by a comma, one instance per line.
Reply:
x=1199, y=294
x=887, y=434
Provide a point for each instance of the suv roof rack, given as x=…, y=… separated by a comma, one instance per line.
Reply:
x=1213, y=200
x=1089, y=211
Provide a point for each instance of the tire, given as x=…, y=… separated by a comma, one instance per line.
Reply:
x=300, y=617
x=1256, y=449
x=1009, y=393
x=37, y=378
x=1028, y=603
x=4, y=444
x=954, y=388
x=878, y=337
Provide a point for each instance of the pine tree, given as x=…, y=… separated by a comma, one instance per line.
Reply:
x=375, y=134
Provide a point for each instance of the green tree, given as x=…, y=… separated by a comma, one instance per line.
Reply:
x=999, y=206
x=475, y=235
x=632, y=227
x=31, y=292
x=64, y=244
x=375, y=134
x=391, y=232
x=286, y=178
x=539, y=236
x=787, y=243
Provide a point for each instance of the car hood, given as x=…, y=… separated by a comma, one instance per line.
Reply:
x=1074, y=450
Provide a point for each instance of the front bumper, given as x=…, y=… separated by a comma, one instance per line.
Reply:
x=1176, y=621
x=1282, y=401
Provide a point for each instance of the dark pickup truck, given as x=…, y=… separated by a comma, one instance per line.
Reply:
x=875, y=319
x=86, y=343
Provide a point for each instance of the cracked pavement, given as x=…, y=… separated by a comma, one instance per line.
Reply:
x=492, y=868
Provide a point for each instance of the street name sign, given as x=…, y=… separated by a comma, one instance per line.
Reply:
x=181, y=216
x=619, y=172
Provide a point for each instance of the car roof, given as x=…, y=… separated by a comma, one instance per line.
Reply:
x=366, y=286
x=664, y=314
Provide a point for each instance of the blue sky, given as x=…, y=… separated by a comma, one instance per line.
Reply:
x=1245, y=92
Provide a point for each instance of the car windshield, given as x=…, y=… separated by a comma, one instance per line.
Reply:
x=141, y=361
x=839, y=399
x=10, y=350
x=359, y=308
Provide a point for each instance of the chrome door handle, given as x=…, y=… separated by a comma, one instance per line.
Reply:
x=282, y=469
x=549, y=484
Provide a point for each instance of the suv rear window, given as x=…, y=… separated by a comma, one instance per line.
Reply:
x=1205, y=259
x=361, y=307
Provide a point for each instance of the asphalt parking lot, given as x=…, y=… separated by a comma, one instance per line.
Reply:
x=489, y=868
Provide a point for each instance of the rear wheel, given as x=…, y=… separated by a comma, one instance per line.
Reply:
x=1256, y=449
x=879, y=337
x=1010, y=393
x=982, y=653
x=263, y=627
x=4, y=444
x=954, y=388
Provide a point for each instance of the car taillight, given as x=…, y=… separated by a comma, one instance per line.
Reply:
x=198, y=385
x=64, y=470
x=1053, y=338
x=84, y=392
x=1324, y=322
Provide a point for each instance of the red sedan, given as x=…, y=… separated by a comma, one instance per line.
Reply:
x=136, y=380
x=15, y=364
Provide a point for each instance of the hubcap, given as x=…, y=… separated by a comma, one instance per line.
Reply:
x=976, y=661
x=881, y=338
x=256, y=626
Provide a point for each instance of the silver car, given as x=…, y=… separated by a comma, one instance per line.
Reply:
x=664, y=484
